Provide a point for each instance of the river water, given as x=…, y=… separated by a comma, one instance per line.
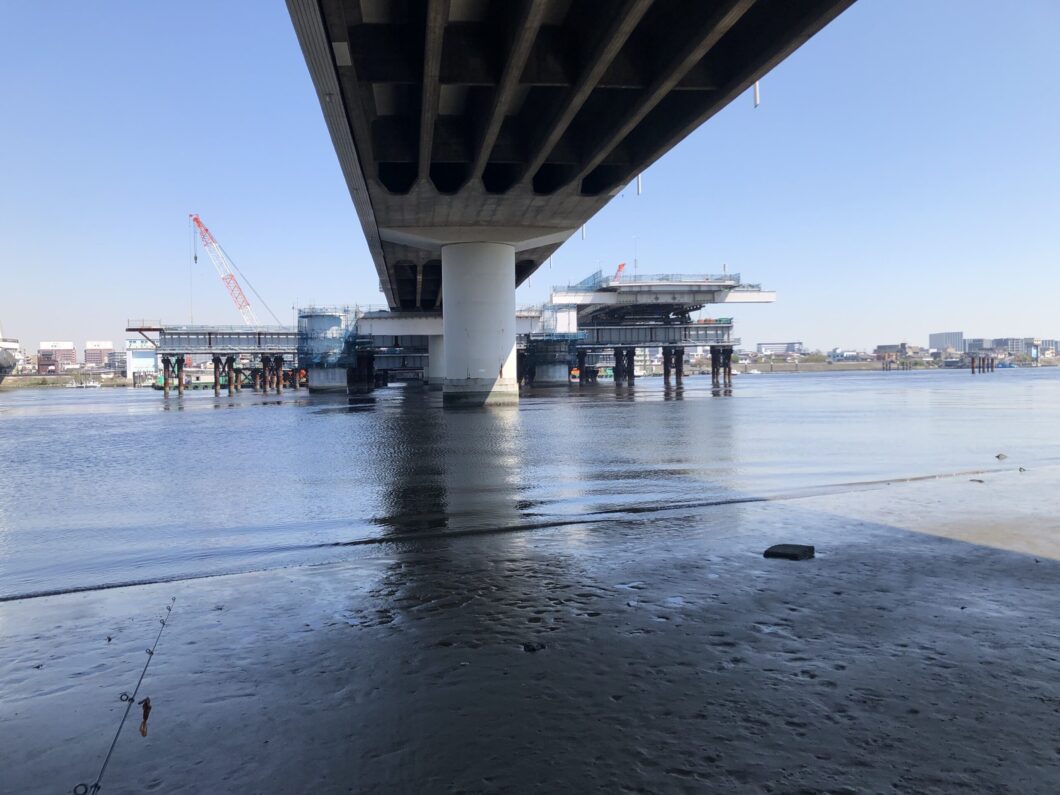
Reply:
x=114, y=486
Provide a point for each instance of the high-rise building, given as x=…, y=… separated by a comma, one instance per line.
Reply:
x=96, y=352
x=54, y=357
x=947, y=340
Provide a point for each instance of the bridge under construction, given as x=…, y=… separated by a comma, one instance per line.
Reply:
x=589, y=328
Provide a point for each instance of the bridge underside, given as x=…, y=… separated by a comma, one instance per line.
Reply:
x=515, y=121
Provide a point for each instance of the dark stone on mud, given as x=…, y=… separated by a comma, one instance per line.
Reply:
x=530, y=648
x=789, y=552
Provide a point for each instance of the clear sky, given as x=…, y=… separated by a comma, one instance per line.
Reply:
x=901, y=176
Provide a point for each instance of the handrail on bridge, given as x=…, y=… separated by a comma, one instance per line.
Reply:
x=597, y=280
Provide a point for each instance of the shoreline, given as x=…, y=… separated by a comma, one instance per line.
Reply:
x=13, y=382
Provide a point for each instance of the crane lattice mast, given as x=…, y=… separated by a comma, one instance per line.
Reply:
x=224, y=270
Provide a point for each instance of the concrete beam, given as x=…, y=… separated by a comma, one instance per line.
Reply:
x=434, y=33
x=676, y=67
x=344, y=126
x=432, y=238
x=399, y=324
x=807, y=18
x=621, y=24
x=527, y=24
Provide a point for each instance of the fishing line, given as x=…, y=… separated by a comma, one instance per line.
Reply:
x=84, y=789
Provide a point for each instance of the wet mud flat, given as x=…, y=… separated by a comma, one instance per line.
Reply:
x=648, y=654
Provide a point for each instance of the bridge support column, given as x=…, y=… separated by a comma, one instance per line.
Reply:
x=216, y=376
x=667, y=356
x=277, y=364
x=230, y=373
x=619, y=370
x=631, y=355
x=167, y=369
x=180, y=373
x=478, y=321
x=679, y=365
x=726, y=360
x=435, y=361
x=715, y=366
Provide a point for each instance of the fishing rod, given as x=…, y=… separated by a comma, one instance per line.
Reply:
x=85, y=789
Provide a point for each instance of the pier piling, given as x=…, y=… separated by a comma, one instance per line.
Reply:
x=167, y=369
x=230, y=371
x=630, y=358
x=620, y=366
x=679, y=365
x=180, y=374
x=216, y=376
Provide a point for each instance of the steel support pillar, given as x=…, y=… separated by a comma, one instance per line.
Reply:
x=679, y=365
x=583, y=376
x=216, y=376
x=631, y=374
x=620, y=366
x=230, y=372
x=277, y=364
x=167, y=369
x=667, y=357
x=180, y=373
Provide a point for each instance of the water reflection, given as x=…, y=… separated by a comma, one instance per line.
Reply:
x=406, y=440
x=483, y=466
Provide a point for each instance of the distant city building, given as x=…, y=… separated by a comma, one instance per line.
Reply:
x=54, y=357
x=947, y=340
x=768, y=348
x=978, y=344
x=116, y=360
x=841, y=355
x=896, y=351
x=139, y=357
x=96, y=352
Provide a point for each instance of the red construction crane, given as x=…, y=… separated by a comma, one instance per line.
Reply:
x=224, y=270
x=618, y=273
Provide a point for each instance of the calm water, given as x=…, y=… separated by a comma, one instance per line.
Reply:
x=108, y=486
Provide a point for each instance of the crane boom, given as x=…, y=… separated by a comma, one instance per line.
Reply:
x=224, y=270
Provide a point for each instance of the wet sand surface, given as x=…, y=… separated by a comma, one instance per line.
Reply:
x=585, y=658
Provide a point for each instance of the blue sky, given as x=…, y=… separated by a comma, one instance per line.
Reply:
x=901, y=176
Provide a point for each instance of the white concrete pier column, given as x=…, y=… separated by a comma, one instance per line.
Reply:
x=435, y=361
x=478, y=321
